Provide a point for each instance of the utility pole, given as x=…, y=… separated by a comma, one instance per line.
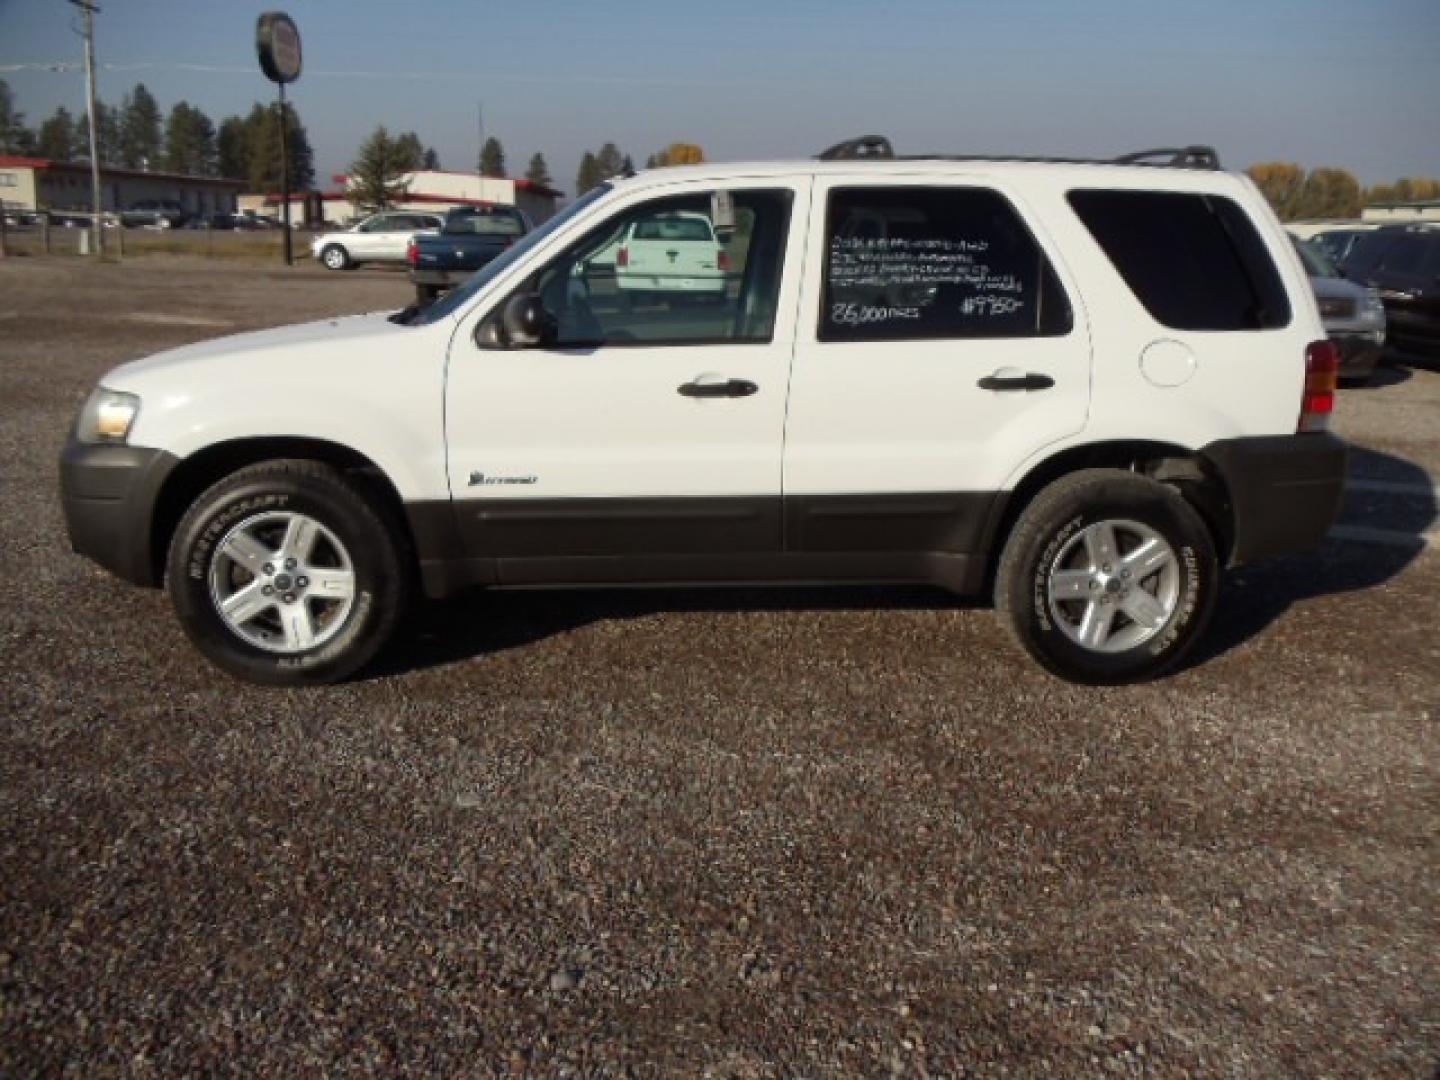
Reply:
x=480, y=130
x=89, y=8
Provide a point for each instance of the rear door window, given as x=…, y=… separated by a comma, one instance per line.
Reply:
x=1194, y=261
x=918, y=263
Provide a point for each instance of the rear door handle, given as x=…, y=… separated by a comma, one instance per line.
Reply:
x=1008, y=378
x=711, y=386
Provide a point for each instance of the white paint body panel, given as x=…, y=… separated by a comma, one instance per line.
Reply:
x=359, y=381
x=864, y=418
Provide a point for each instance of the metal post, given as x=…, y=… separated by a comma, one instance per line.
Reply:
x=45, y=232
x=285, y=181
x=88, y=6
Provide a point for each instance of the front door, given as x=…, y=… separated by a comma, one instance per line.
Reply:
x=649, y=423
x=938, y=349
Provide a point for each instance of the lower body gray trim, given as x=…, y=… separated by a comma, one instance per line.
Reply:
x=917, y=537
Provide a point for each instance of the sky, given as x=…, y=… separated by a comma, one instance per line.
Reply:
x=1346, y=83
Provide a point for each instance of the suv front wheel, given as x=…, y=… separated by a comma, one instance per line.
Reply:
x=285, y=573
x=1108, y=577
x=335, y=257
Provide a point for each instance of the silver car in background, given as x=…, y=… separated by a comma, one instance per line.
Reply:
x=1354, y=316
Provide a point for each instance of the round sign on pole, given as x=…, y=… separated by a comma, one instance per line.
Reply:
x=278, y=42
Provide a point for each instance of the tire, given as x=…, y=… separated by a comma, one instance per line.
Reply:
x=335, y=257
x=286, y=627
x=1149, y=583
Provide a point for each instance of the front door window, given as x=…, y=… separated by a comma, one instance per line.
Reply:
x=663, y=273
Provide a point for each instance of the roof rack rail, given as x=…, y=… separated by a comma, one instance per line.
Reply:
x=865, y=148
x=1182, y=157
x=878, y=148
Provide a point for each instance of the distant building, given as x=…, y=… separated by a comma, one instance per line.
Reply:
x=430, y=189
x=1399, y=213
x=29, y=183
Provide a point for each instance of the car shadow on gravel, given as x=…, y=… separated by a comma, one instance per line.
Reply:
x=1388, y=374
x=1390, y=506
x=478, y=623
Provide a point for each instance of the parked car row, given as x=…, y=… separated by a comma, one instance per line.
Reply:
x=1373, y=285
x=1402, y=264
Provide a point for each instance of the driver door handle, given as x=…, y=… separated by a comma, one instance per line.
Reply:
x=713, y=386
x=1009, y=378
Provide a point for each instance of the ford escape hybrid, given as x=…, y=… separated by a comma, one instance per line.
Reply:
x=1084, y=387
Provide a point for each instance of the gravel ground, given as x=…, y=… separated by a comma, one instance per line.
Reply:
x=733, y=834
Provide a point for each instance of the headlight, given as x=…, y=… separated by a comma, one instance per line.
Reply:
x=107, y=417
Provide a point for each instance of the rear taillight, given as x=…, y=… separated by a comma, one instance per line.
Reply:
x=622, y=258
x=723, y=261
x=1322, y=373
x=412, y=252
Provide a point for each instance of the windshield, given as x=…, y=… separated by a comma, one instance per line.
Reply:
x=1317, y=263
x=458, y=297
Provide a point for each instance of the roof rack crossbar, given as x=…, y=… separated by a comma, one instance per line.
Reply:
x=878, y=148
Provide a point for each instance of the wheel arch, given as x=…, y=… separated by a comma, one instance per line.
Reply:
x=194, y=474
x=1188, y=471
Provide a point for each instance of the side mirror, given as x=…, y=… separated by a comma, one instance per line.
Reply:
x=525, y=321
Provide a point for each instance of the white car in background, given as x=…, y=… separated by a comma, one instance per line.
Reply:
x=671, y=252
x=378, y=238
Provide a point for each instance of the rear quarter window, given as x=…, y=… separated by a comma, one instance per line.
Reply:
x=1194, y=261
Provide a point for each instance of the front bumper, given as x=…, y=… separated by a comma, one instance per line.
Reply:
x=109, y=494
x=1285, y=491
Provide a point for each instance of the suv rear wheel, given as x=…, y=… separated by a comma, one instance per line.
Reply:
x=284, y=573
x=1108, y=577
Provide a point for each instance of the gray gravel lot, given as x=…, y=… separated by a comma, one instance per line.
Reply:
x=727, y=833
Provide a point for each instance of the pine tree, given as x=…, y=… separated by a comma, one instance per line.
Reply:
x=15, y=137
x=231, y=149
x=59, y=138
x=492, y=158
x=262, y=149
x=589, y=175
x=377, y=171
x=189, y=141
x=108, y=133
x=609, y=161
x=431, y=160
x=411, y=150
x=627, y=166
x=538, y=172
x=140, y=138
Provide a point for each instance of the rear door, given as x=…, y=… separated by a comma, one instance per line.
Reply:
x=938, y=349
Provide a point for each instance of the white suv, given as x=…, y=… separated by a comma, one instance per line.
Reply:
x=1083, y=387
x=379, y=238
